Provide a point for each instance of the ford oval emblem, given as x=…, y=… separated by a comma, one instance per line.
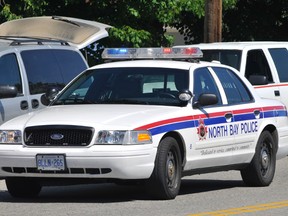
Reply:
x=57, y=136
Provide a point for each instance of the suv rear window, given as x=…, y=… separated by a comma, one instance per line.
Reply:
x=51, y=68
x=280, y=58
x=227, y=57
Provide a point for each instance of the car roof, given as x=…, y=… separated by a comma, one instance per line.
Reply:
x=185, y=65
x=237, y=45
x=77, y=32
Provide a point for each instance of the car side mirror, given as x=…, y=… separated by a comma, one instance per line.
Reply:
x=7, y=91
x=49, y=96
x=258, y=80
x=206, y=99
x=185, y=95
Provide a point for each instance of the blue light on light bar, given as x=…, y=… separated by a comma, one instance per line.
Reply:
x=117, y=51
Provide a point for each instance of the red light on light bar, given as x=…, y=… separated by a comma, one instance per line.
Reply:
x=190, y=51
x=167, y=50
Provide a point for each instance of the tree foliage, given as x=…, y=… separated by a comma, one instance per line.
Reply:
x=139, y=23
x=136, y=23
x=191, y=25
x=256, y=20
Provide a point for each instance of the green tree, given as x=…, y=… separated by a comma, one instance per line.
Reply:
x=143, y=22
x=191, y=24
x=22, y=8
x=257, y=20
x=136, y=23
x=243, y=20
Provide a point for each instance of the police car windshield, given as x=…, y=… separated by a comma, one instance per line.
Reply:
x=227, y=57
x=148, y=85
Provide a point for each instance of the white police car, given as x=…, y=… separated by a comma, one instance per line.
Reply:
x=150, y=121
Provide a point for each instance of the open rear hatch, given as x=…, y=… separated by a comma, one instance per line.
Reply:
x=77, y=32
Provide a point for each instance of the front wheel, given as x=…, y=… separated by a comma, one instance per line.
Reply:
x=261, y=170
x=166, y=177
x=23, y=187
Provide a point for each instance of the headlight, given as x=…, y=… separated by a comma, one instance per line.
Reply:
x=123, y=137
x=10, y=136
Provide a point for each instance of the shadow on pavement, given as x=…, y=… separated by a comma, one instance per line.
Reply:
x=109, y=193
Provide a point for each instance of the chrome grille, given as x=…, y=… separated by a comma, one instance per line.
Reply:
x=58, y=135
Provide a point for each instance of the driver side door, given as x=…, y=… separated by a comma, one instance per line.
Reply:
x=212, y=122
x=11, y=105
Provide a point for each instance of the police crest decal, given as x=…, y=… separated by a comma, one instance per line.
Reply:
x=201, y=130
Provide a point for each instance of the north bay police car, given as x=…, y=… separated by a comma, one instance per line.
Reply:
x=152, y=121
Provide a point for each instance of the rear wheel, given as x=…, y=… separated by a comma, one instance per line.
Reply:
x=166, y=177
x=23, y=187
x=261, y=170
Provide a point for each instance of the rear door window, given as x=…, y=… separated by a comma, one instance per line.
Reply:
x=257, y=64
x=47, y=68
x=235, y=90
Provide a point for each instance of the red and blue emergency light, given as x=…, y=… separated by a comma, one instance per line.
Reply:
x=152, y=53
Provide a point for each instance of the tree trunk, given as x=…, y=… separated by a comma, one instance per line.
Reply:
x=213, y=21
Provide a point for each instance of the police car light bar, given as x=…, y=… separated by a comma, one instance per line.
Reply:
x=152, y=53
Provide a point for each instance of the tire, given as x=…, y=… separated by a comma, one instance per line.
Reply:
x=23, y=187
x=261, y=170
x=165, y=180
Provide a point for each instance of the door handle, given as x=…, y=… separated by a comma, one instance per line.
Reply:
x=35, y=103
x=277, y=93
x=228, y=117
x=24, y=105
x=257, y=113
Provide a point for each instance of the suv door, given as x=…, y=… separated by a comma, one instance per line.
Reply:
x=11, y=105
x=257, y=64
x=50, y=68
x=280, y=59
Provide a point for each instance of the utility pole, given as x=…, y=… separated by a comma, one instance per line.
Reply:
x=213, y=21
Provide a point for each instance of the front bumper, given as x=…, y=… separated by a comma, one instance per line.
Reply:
x=99, y=161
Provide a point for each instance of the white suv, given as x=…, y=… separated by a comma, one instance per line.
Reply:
x=38, y=53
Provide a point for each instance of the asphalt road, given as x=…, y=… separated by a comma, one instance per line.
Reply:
x=218, y=194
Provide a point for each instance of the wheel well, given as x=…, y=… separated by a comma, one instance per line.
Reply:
x=274, y=133
x=180, y=142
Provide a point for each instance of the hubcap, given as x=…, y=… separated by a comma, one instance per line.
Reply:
x=171, y=170
x=265, y=159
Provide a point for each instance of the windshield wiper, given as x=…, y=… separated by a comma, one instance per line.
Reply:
x=123, y=101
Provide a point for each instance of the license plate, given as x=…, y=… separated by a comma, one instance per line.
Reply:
x=50, y=162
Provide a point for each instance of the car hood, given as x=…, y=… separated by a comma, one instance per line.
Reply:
x=126, y=117
x=77, y=32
